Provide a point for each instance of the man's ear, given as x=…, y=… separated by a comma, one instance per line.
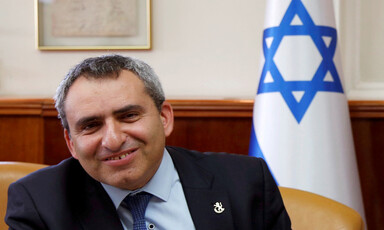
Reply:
x=167, y=118
x=69, y=142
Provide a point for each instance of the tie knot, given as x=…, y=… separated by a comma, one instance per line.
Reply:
x=137, y=204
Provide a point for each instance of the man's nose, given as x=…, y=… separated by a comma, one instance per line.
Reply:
x=113, y=137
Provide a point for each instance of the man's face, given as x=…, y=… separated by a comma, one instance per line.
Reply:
x=116, y=131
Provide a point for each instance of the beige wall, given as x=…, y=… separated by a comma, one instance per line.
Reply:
x=201, y=49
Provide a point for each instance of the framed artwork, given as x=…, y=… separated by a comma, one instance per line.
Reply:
x=93, y=25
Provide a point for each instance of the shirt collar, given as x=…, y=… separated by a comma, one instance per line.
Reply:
x=160, y=185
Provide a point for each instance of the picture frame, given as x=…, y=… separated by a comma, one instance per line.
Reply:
x=93, y=25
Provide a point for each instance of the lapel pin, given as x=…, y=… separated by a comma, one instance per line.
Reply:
x=218, y=208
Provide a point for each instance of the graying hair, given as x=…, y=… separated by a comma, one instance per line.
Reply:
x=104, y=67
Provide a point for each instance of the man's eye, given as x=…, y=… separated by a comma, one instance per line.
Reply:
x=130, y=116
x=90, y=126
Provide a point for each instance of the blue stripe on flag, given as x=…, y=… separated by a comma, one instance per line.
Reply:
x=255, y=150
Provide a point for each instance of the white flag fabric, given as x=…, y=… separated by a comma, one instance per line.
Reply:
x=301, y=122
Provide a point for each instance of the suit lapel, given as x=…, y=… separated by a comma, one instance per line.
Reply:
x=92, y=206
x=209, y=206
x=101, y=213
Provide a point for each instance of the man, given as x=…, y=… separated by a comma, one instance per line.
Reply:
x=115, y=121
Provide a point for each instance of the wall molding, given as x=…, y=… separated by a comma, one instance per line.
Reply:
x=182, y=108
x=350, y=16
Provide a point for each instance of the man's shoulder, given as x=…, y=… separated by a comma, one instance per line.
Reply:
x=216, y=158
x=219, y=155
x=229, y=170
x=52, y=174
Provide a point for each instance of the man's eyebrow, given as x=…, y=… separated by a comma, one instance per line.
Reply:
x=86, y=120
x=128, y=108
x=120, y=111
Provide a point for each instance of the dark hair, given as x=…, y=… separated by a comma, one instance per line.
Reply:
x=109, y=66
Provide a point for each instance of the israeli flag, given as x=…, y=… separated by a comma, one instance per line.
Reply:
x=301, y=122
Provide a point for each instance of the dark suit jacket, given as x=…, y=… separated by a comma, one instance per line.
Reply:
x=66, y=197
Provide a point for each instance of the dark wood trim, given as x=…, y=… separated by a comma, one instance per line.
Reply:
x=10, y=106
x=212, y=108
x=366, y=109
x=184, y=108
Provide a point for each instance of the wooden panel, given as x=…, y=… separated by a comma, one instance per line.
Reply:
x=212, y=134
x=55, y=147
x=31, y=132
x=368, y=132
x=21, y=138
x=369, y=144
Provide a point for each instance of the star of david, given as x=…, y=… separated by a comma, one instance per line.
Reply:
x=276, y=82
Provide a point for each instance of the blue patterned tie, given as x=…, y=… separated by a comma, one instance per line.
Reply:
x=137, y=204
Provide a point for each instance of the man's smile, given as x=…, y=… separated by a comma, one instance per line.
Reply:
x=121, y=155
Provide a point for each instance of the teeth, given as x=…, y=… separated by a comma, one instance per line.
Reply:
x=119, y=157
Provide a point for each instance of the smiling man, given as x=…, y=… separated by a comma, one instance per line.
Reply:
x=115, y=130
x=115, y=121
